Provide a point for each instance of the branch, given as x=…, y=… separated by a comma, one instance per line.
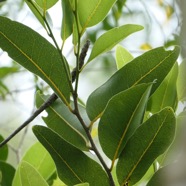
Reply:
x=45, y=105
x=94, y=148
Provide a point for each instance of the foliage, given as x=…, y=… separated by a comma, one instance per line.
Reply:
x=134, y=109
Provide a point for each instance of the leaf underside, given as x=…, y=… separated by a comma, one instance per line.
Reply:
x=36, y=54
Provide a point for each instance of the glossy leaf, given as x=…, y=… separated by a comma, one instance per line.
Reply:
x=149, y=141
x=6, y=174
x=67, y=21
x=36, y=54
x=181, y=81
x=112, y=37
x=123, y=56
x=166, y=94
x=3, y=151
x=46, y=4
x=73, y=165
x=91, y=12
x=123, y=114
x=152, y=65
x=42, y=162
x=63, y=122
x=30, y=176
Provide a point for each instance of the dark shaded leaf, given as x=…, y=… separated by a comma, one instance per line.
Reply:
x=149, y=141
x=63, y=122
x=3, y=150
x=73, y=165
x=123, y=114
x=6, y=174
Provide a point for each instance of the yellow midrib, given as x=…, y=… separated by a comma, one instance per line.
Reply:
x=144, y=152
x=125, y=131
x=62, y=159
x=37, y=66
x=147, y=73
x=90, y=16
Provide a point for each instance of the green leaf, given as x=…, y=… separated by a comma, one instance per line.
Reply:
x=123, y=114
x=46, y=4
x=40, y=159
x=3, y=150
x=58, y=182
x=75, y=33
x=112, y=37
x=91, y=12
x=72, y=4
x=67, y=22
x=146, y=177
x=82, y=184
x=181, y=81
x=149, y=141
x=166, y=94
x=73, y=165
x=150, y=66
x=6, y=174
x=29, y=176
x=63, y=122
x=123, y=56
x=37, y=12
x=36, y=54
x=5, y=71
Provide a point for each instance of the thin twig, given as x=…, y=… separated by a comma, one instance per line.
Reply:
x=45, y=105
x=51, y=35
x=94, y=148
x=79, y=63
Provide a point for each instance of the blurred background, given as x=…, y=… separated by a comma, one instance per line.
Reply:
x=164, y=25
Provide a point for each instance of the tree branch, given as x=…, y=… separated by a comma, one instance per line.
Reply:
x=45, y=105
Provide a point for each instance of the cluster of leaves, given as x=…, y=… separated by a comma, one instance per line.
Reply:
x=135, y=106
